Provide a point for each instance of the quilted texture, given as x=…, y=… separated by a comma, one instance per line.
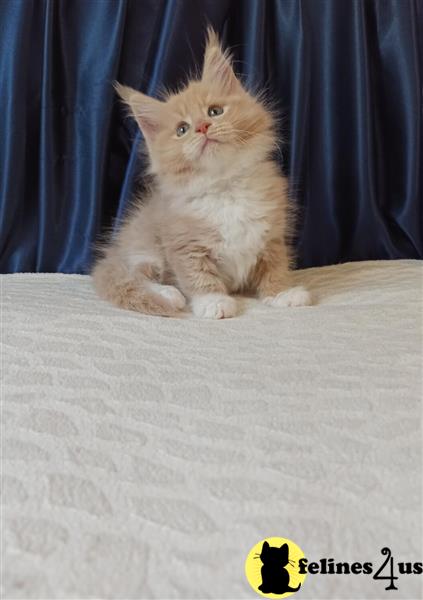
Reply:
x=143, y=457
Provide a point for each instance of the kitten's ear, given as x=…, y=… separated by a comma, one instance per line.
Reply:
x=145, y=110
x=265, y=546
x=217, y=69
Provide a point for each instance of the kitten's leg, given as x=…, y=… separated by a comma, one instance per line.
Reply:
x=151, y=265
x=272, y=279
x=169, y=292
x=135, y=286
x=198, y=278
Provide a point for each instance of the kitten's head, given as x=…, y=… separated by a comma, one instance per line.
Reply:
x=273, y=555
x=210, y=125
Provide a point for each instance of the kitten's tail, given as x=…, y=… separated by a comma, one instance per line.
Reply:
x=289, y=589
x=114, y=283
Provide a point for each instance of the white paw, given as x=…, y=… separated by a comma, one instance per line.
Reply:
x=214, y=306
x=296, y=296
x=170, y=293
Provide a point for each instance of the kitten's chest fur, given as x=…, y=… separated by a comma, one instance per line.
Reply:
x=242, y=222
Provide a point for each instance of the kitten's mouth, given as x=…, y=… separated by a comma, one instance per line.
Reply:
x=208, y=142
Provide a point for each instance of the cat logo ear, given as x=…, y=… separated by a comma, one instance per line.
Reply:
x=265, y=546
x=217, y=69
x=145, y=110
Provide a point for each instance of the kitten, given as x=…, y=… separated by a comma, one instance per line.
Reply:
x=275, y=578
x=215, y=219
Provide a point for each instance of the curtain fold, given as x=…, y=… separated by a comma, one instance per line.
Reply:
x=345, y=76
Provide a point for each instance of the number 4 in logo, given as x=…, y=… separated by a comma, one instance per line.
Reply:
x=390, y=577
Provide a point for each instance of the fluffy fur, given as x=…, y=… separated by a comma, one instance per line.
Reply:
x=215, y=220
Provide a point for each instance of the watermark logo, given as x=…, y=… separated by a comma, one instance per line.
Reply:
x=277, y=567
x=272, y=567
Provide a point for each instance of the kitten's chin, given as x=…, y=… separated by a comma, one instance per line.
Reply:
x=220, y=157
x=209, y=148
x=216, y=160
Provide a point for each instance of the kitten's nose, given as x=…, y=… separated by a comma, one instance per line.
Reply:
x=202, y=127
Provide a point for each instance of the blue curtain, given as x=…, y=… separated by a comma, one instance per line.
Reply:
x=346, y=74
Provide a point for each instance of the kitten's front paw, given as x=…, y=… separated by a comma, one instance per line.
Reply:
x=214, y=306
x=296, y=296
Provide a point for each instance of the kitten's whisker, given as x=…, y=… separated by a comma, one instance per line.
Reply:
x=242, y=130
x=242, y=140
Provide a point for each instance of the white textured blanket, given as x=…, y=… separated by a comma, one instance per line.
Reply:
x=144, y=457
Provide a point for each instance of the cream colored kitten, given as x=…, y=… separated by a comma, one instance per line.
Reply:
x=215, y=219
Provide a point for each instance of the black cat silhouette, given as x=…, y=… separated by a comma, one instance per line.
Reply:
x=275, y=578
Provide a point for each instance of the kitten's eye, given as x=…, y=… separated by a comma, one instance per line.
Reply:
x=182, y=129
x=215, y=111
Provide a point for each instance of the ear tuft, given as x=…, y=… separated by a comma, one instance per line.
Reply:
x=212, y=38
x=145, y=110
x=124, y=91
x=217, y=69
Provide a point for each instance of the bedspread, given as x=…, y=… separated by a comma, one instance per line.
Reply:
x=143, y=457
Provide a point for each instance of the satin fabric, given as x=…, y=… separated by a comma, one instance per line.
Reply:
x=345, y=75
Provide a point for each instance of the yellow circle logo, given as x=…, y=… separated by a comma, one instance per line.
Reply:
x=272, y=568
